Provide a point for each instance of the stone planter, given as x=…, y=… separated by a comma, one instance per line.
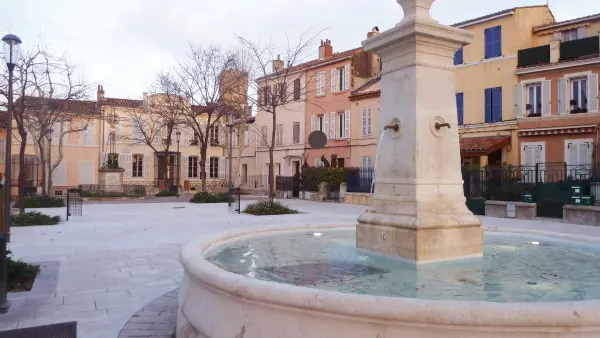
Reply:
x=357, y=198
x=581, y=214
x=500, y=209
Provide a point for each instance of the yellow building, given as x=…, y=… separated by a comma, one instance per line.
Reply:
x=485, y=82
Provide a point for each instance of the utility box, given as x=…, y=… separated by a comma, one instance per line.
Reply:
x=528, y=198
x=576, y=190
x=576, y=200
x=587, y=200
x=511, y=210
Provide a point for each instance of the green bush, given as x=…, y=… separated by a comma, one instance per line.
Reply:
x=38, y=201
x=166, y=193
x=209, y=197
x=335, y=176
x=312, y=177
x=20, y=274
x=264, y=208
x=34, y=218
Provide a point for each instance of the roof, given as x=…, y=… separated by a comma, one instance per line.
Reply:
x=81, y=106
x=367, y=90
x=109, y=101
x=494, y=15
x=317, y=62
x=568, y=22
x=481, y=146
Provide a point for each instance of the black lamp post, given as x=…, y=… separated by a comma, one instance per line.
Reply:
x=11, y=56
x=178, y=138
x=49, y=156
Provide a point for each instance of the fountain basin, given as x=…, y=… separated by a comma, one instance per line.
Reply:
x=215, y=303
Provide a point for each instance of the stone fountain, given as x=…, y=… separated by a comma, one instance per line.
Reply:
x=314, y=282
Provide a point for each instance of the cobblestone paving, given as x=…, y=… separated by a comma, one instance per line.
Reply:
x=156, y=319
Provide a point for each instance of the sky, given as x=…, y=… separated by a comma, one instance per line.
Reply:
x=123, y=44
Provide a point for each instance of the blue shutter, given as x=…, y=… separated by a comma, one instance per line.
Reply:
x=488, y=36
x=460, y=108
x=488, y=105
x=498, y=41
x=497, y=104
x=458, y=57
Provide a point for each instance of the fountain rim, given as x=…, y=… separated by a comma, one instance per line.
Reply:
x=369, y=307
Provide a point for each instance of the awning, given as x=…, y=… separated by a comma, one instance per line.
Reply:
x=482, y=146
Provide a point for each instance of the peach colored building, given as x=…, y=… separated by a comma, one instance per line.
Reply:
x=364, y=109
x=556, y=99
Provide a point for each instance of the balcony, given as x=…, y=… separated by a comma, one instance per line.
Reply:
x=580, y=48
x=534, y=56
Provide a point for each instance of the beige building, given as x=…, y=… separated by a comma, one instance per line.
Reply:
x=365, y=116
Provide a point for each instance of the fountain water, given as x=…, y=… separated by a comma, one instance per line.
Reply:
x=346, y=281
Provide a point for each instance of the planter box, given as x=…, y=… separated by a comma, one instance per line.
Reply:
x=581, y=214
x=499, y=209
x=357, y=198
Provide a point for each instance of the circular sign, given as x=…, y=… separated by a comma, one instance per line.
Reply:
x=317, y=139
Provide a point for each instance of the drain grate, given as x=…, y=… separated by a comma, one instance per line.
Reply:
x=61, y=330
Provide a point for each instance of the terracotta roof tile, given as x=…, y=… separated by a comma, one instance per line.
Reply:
x=109, y=101
x=81, y=106
x=482, y=145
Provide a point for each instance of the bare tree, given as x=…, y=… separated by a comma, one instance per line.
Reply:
x=278, y=83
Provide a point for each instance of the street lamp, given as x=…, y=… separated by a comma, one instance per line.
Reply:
x=178, y=138
x=11, y=52
x=51, y=131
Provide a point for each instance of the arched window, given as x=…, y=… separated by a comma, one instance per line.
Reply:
x=193, y=167
x=137, y=165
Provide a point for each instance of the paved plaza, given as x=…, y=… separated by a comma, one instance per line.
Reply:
x=101, y=268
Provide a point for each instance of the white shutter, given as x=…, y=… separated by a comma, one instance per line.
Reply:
x=346, y=77
x=593, y=93
x=347, y=124
x=546, y=98
x=527, y=156
x=186, y=136
x=125, y=163
x=584, y=154
x=325, y=123
x=563, y=101
x=581, y=34
x=333, y=80
x=313, y=123
x=186, y=166
x=572, y=153
x=332, y=125
x=59, y=175
x=318, y=84
x=537, y=155
x=519, y=104
x=221, y=167
x=246, y=137
x=146, y=164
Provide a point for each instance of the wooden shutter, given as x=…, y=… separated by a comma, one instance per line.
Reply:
x=334, y=80
x=186, y=167
x=581, y=33
x=488, y=37
x=325, y=123
x=125, y=163
x=546, y=98
x=527, y=155
x=332, y=126
x=563, y=101
x=585, y=157
x=346, y=77
x=313, y=123
x=537, y=154
x=364, y=122
x=221, y=167
x=146, y=164
x=572, y=153
x=593, y=93
x=497, y=105
x=460, y=108
x=488, y=105
x=297, y=89
x=498, y=41
x=347, y=124
x=519, y=101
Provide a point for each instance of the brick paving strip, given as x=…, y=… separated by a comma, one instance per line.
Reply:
x=156, y=319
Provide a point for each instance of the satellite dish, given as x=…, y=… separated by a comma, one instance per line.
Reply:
x=317, y=139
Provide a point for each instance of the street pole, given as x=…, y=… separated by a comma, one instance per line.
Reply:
x=178, y=166
x=230, y=160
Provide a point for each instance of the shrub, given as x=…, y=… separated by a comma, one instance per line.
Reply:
x=264, y=208
x=193, y=189
x=166, y=193
x=20, y=274
x=312, y=177
x=34, y=218
x=38, y=201
x=335, y=176
x=209, y=197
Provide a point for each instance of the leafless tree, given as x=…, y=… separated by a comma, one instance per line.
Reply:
x=278, y=83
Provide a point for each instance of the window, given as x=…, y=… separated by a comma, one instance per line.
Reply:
x=493, y=105
x=340, y=79
x=460, y=108
x=366, y=163
x=297, y=90
x=343, y=120
x=2, y=150
x=493, y=42
x=534, y=100
x=320, y=123
x=246, y=137
x=244, y=173
x=320, y=83
x=263, y=136
x=214, y=167
x=296, y=133
x=267, y=95
x=573, y=34
x=193, y=167
x=578, y=152
x=137, y=169
x=367, y=121
x=213, y=134
x=579, y=97
x=458, y=57
x=279, y=134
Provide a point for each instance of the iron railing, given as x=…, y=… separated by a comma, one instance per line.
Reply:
x=580, y=48
x=534, y=56
x=360, y=180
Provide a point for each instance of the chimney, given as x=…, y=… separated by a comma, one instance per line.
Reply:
x=373, y=32
x=100, y=93
x=145, y=98
x=325, y=50
x=278, y=64
x=555, y=47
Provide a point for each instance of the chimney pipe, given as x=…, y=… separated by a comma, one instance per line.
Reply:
x=325, y=50
x=100, y=93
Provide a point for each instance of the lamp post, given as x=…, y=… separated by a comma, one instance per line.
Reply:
x=51, y=131
x=178, y=138
x=11, y=55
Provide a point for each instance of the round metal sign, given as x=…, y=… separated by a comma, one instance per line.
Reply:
x=317, y=139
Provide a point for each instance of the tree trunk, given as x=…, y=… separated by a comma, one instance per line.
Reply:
x=43, y=161
x=203, y=149
x=271, y=161
x=240, y=149
x=21, y=186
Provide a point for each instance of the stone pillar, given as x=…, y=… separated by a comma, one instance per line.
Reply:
x=555, y=47
x=418, y=209
x=343, y=190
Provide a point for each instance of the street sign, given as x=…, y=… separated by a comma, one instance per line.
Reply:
x=317, y=139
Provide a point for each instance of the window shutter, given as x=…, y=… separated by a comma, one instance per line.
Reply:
x=458, y=57
x=221, y=167
x=325, y=123
x=519, y=104
x=347, y=124
x=498, y=41
x=313, y=123
x=364, y=121
x=527, y=155
x=488, y=36
x=346, y=77
x=186, y=136
x=584, y=154
x=537, y=155
x=332, y=126
x=593, y=93
x=186, y=167
x=497, y=104
x=488, y=105
x=460, y=108
x=581, y=33
x=333, y=80
x=572, y=153
x=146, y=164
x=127, y=165
x=563, y=101
x=546, y=100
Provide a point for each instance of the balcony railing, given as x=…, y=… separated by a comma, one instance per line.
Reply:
x=534, y=56
x=579, y=48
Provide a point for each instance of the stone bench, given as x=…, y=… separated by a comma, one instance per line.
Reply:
x=499, y=209
x=581, y=214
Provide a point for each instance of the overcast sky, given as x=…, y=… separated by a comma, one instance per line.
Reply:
x=122, y=44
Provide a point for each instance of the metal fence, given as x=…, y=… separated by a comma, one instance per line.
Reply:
x=360, y=180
